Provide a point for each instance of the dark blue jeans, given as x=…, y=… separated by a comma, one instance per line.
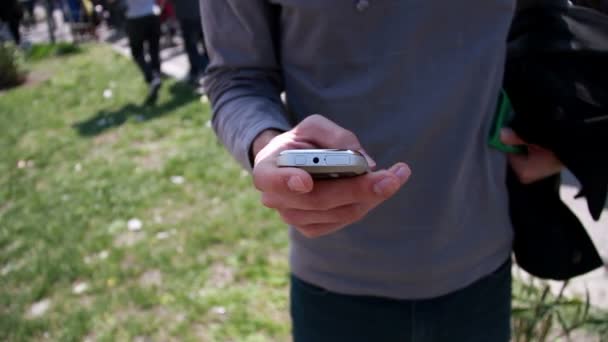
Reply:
x=479, y=312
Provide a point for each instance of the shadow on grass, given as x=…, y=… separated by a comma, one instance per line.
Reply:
x=181, y=94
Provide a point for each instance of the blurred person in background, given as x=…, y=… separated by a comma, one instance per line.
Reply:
x=10, y=12
x=189, y=17
x=28, y=11
x=116, y=10
x=73, y=9
x=143, y=31
x=168, y=24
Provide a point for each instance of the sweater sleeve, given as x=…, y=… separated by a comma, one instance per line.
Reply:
x=244, y=79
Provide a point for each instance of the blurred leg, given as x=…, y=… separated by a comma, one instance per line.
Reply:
x=192, y=34
x=14, y=27
x=136, y=33
x=153, y=39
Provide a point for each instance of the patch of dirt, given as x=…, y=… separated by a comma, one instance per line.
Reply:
x=150, y=162
x=153, y=155
x=151, y=278
x=202, y=332
x=35, y=78
x=31, y=79
x=220, y=276
x=129, y=262
x=4, y=207
x=109, y=137
x=128, y=239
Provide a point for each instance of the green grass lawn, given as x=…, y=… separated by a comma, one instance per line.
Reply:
x=208, y=263
x=125, y=223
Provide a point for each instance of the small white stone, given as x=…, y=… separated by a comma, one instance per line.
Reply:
x=208, y=124
x=219, y=310
x=103, y=255
x=107, y=94
x=204, y=99
x=151, y=278
x=78, y=167
x=39, y=308
x=7, y=269
x=177, y=180
x=21, y=164
x=134, y=224
x=80, y=288
x=163, y=235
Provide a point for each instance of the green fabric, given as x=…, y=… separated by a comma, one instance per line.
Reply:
x=501, y=119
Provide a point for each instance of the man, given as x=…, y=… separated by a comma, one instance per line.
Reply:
x=10, y=12
x=415, y=82
x=189, y=17
x=143, y=29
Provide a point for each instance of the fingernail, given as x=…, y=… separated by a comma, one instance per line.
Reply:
x=386, y=186
x=403, y=173
x=296, y=184
x=370, y=162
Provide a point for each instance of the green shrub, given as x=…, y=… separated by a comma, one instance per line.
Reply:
x=12, y=71
x=45, y=50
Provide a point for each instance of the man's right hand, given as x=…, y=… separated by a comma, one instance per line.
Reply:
x=322, y=207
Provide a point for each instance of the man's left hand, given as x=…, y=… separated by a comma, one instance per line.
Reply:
x=537, y=164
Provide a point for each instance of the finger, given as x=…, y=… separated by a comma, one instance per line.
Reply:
x=317, y=230
x=329, y=194
x=343, y=215
x=520, y=165
x=370, y=162
x=269, y=178
x=509, y=137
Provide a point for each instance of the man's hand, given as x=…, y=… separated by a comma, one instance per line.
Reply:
x=322, y=207
x=536, y=165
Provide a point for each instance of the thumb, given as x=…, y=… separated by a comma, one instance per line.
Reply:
x=267, y=177
x=509, y=137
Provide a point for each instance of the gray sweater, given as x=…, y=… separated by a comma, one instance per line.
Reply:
x=417, y=81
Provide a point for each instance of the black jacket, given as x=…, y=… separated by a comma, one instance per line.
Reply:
x=557, y=79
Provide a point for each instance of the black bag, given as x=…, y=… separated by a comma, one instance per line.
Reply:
x=557, y=79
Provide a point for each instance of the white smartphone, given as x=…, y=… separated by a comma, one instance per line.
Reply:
x=325, y=163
